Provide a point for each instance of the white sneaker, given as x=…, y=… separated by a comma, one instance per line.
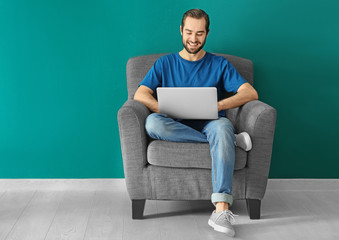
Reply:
x=243, y=140
x=221, y=222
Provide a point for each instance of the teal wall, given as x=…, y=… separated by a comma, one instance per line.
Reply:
x=62, y=78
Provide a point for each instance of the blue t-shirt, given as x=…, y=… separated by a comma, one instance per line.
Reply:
x=210, y=71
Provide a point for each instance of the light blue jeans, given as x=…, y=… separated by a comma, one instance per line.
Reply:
x=218, y=133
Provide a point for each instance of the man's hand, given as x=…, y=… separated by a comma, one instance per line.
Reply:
x=145, y=96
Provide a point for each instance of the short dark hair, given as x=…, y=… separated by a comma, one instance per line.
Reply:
x=198, y=14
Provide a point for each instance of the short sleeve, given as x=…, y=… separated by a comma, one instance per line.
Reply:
x=153, y=78
x=231, y=77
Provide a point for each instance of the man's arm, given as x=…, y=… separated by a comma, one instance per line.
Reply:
x=245, y=93
x=145, y=95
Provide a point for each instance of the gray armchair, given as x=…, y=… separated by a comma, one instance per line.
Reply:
x=162, y=170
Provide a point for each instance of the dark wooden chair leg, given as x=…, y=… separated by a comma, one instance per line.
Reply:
x=138, y=208
x=253, y=208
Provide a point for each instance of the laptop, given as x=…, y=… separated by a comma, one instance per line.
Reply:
x=188, y=102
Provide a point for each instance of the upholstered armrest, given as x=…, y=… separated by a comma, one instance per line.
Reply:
x=133, y=138
x=258, y=120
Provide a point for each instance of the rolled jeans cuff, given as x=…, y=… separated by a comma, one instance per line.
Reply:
x=222, y=197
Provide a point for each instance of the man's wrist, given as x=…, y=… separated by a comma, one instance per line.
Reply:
x=220, y=106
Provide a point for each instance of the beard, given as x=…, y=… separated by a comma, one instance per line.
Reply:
x=186, y=46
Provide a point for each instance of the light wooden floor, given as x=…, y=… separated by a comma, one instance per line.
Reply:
x=101, y=209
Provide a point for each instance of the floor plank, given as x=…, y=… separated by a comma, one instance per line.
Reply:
x=71, y=218
x=145, y=229
x=70, y=211
x=37, y=217
x=106, y=218
x=12, y=205
x=177, y=221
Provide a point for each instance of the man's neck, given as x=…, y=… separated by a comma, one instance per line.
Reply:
x=192, y=57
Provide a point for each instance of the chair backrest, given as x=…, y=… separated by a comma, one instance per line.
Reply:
x=137, y=68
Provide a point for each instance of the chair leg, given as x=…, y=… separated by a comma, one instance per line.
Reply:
x=138, y=208
x=253, y=208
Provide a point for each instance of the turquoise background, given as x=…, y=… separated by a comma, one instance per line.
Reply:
x=62, y=78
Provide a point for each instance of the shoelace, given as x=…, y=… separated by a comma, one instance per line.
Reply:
x=229, y=215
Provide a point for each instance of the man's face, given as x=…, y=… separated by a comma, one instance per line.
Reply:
x=194, y=34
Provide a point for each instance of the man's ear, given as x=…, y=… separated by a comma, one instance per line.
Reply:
x=181, y=30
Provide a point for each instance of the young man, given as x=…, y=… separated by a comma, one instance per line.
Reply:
x=194, y=67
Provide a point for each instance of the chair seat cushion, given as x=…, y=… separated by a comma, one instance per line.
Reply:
x=187, y=155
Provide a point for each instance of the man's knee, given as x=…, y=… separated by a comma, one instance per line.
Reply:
x=222, y=125
x=154, y=123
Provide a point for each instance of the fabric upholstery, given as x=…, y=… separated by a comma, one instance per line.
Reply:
x=188, y=155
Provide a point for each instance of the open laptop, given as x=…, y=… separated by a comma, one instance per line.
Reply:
x=188, y=102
